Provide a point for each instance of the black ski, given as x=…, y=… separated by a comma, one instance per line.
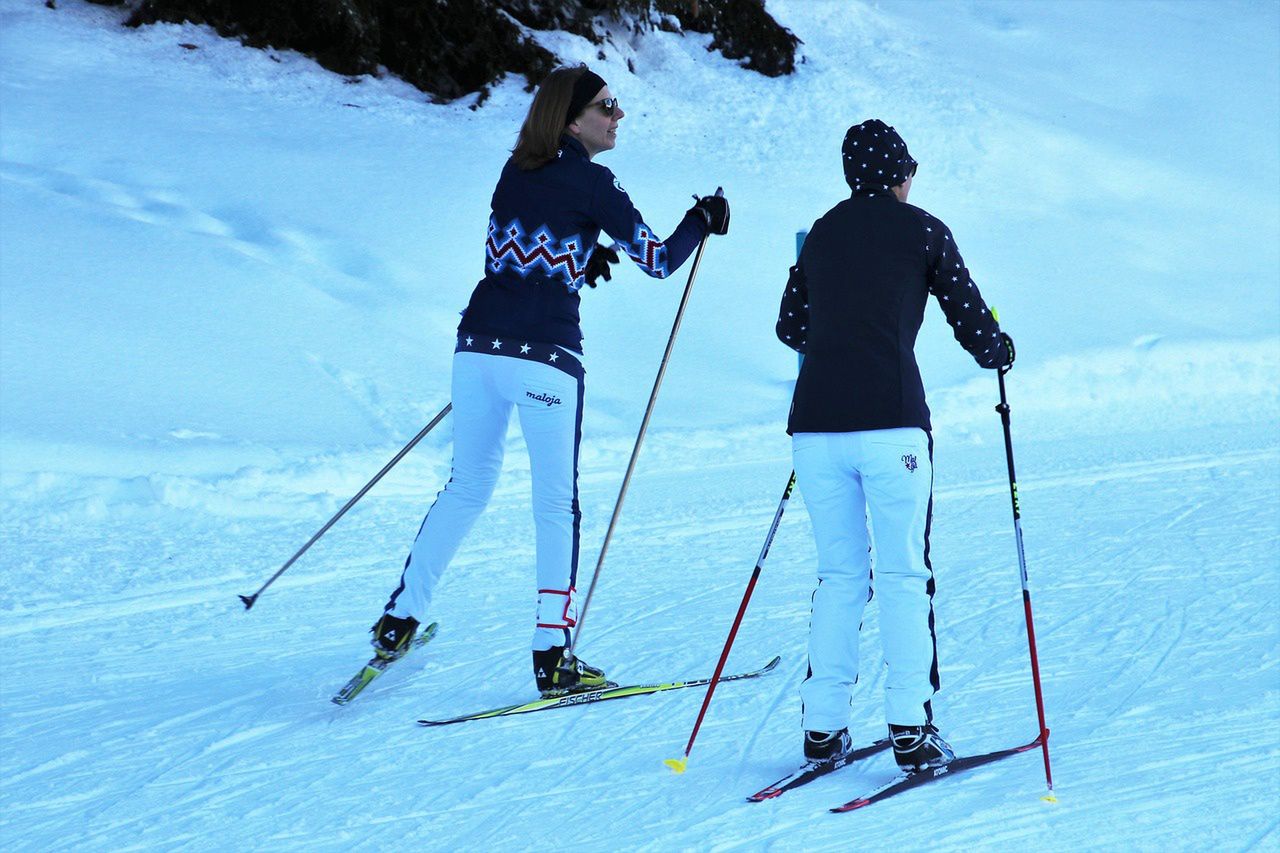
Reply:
x=600, y=695
x=911, y=780
x=814, y=769
x=376, y=666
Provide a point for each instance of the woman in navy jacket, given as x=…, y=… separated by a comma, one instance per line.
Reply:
x=520, y=346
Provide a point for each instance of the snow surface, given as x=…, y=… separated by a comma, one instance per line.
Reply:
x=228, y=281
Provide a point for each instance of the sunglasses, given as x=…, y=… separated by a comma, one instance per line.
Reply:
x=608, y=106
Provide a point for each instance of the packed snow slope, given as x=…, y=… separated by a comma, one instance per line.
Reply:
x=228, y=282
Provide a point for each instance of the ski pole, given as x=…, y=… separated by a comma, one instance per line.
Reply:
x=567, y=660
x=679, y=764
x=1003, y=409
x=250, y=599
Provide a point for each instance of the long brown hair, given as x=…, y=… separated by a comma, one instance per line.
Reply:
x=539, y=140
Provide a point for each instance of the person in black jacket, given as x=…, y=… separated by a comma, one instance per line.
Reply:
x=861, y=436
x=519, y=347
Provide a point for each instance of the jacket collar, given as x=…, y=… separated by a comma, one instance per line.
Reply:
x=569, y=145
x=874, y=192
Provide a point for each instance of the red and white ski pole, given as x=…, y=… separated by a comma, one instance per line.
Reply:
x=679, y=764
x=1003, y=409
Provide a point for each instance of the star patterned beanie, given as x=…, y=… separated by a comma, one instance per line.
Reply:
x=875, y=157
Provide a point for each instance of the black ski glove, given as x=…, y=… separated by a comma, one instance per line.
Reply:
x=598, y=264
x=1008, y=345
x=714, y=209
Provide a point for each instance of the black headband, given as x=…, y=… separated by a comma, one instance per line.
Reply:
x=584, y=89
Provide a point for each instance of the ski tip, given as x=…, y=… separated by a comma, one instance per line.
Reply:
x=677, y=765
x=773, y=663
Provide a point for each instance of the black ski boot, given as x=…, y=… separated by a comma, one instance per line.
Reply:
x=919, y=747
x=826, y=746
x=555, y=679
x=392, y=635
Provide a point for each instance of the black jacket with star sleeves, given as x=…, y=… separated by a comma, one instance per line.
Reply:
x=854, y=304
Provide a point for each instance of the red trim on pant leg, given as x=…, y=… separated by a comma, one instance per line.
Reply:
x=565, y=622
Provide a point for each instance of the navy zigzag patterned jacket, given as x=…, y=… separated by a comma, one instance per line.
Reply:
x=543, y=228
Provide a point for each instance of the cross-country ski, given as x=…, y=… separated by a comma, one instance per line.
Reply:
x=917, y=778
x=811, y=770
x=378, y=665
x=589, y=697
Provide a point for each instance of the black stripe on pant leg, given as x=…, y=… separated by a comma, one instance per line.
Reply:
x=391, y=603
x=931, y=587
x=577, y=509
x=807, y=662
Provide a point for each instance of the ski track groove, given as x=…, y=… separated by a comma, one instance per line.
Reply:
x=223, y=757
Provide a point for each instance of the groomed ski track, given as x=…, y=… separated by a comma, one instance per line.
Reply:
x=168, y=717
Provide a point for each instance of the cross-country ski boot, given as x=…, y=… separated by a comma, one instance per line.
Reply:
x=821, y=747
x=556, y=679
x=919, y=747
x=392, y=635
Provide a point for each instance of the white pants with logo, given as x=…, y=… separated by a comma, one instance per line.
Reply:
x=549, y=401
x=861, y=488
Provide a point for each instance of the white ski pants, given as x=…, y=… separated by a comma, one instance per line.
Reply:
x=860, y=488
x=544, y=383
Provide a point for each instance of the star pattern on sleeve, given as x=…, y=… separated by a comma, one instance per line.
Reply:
x=793, y=313
x=967, y=313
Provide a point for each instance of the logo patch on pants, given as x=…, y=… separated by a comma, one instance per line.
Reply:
x=909, y=459
x=549, y=399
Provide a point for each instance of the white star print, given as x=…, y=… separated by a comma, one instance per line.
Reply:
x=469, y=339
x=497, y=344
x=554, y=356
x=524, y=350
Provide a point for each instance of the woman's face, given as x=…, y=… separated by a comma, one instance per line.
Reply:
x=594, y=129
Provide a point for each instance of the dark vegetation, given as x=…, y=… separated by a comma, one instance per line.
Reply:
x=452, y=48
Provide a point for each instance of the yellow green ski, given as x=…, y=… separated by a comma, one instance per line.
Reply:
x=376, y=666
x=603, y=694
